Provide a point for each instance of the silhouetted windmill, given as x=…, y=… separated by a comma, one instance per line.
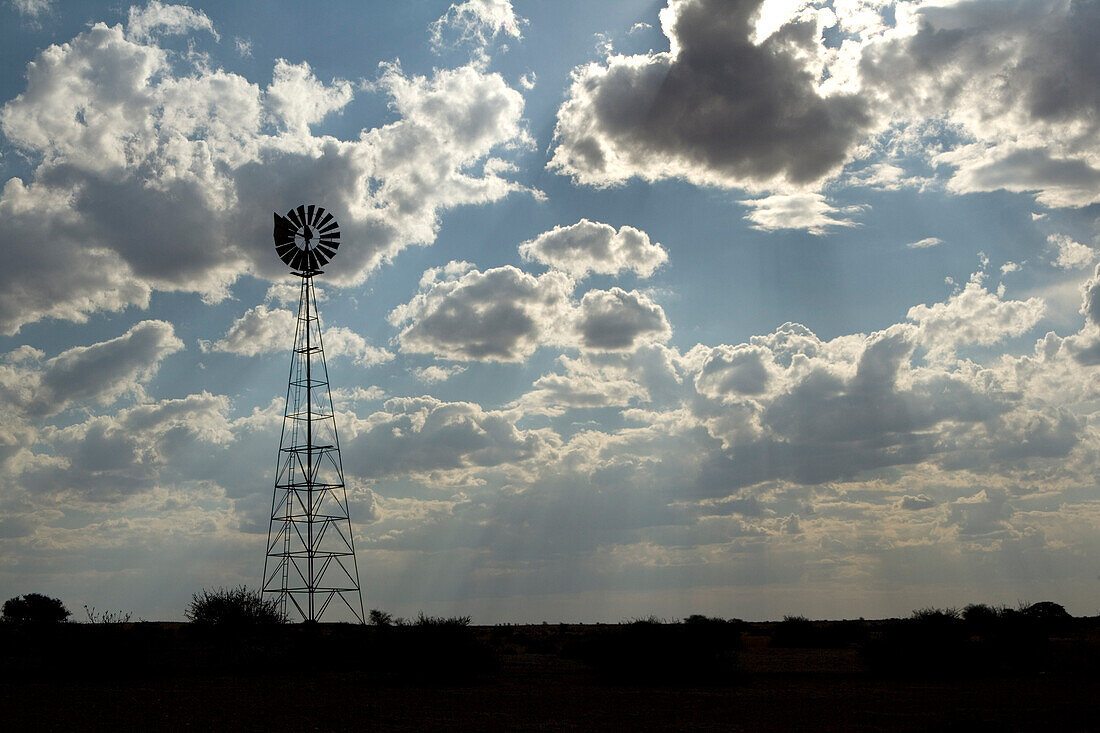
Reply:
x=310, y=552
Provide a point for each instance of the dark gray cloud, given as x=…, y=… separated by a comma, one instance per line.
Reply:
x=108, y=458
x=733, y=369
x=870, y=407
x=102, y=372
x=982, y=516
x=617, y=320
x=502, y=314
x=1047, y=432
x=1020, y=78
x=738, y=105
x=717, y=109
x=16, y=526
x=423, y=435
x=791, y=407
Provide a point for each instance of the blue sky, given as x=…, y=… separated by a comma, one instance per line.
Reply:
x=740, y=308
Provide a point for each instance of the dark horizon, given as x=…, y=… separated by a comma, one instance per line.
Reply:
x=741, y=308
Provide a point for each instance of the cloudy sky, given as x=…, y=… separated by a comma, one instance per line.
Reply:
x=721, y=306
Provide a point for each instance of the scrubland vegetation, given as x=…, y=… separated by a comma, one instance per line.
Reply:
x=978, y=666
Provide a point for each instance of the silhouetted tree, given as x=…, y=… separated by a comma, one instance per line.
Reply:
x=1046, y=611
x=981, y=615
x=36, y=608
x=378, y=617
x=238, y=606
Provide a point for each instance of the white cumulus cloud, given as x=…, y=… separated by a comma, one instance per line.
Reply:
x=434, y=373
x=1069, y=254
x=925, y=243
x=974, y=316
x=475, y=22
x=589, y=246
x=264, y=330
x=156, y=173
x=809, y=211
x=168, y=19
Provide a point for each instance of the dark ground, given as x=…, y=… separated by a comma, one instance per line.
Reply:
x=850, y=676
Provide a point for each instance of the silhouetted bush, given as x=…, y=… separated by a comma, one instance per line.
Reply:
x=442, y=621
x=714, y=623
x=434, y=649
x=980, y=639
x=793, y=631
x=980, y=618
x=938, y=617
x=35, y=608
x=238, y=606
x=1047, y=612
x=377, y=617
x=799, y=632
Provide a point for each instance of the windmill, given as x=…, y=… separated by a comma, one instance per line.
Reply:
x=310, y=558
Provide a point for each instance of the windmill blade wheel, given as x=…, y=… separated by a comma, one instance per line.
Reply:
x=306, y=238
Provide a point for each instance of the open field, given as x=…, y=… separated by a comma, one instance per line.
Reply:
x=875, y=675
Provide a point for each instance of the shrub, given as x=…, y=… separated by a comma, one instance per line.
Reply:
x=799, y=632
x=432, y=649
x=1046, y=611
x=795, y=632
x=980, y=616
x=35, y=608
x=451, y=622
x=380, y=618
x=698, y=619
x=726, y=628
x=979, y=640
x=238, y=606
x=942, y=616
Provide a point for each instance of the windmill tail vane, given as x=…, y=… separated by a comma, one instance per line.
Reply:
x=310, y=562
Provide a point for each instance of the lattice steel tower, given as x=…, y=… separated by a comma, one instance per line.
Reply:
x=310, y=551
